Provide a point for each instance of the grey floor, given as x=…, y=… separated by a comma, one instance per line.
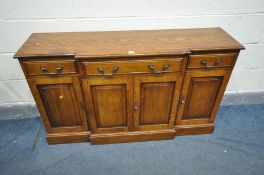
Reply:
x=236, y=147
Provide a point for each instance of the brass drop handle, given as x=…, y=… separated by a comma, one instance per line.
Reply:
x=59, y=68
x=101, y=70
x=151, y=67
x=203, y=62
x=217, y=61
x=165, y=67
x=43, y=68
x=115, y=69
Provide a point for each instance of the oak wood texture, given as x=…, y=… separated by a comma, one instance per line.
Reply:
x=211, y=60
x=113, y=87
x=56, y=98
x=127, y=43
x=110, y=103
x=133, y=136
x=59, y=101
x=133, y=67
x=156, y=101
x=182, y=130
x=50, y=67
x=201, y=97
x=202, y=93
x=72, y=137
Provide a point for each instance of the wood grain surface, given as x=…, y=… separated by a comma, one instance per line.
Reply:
x=127, y=43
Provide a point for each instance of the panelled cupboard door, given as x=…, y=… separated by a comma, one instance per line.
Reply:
x=201, y=96
x=110, y=103
x=60, y=103
x=156, y=100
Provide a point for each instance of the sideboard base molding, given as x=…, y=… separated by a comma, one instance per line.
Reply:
x=75, y=137
x=140, y=136
x=125, y=137
x=137, y=136
x=194, y=129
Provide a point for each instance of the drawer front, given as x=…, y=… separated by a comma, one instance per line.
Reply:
x=130, y=67
x=211, y=61
x=50, y=67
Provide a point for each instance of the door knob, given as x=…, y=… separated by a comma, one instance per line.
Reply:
x=135, y=107
x=182, y=100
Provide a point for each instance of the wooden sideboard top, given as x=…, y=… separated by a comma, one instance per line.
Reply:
x=127, y=43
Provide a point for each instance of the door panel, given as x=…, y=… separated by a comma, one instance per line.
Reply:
x=201, y=97
x=56, y=98
x=202, y=93
x=59, y=100
x=156, y=99
x=110, y=103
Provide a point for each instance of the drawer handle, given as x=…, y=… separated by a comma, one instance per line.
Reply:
x=203, y=62
x=43, y=68
x=217, y=61
x=165, y=67
x=115, y=69
x=59, y=68
x=151, y=68
x=101, y=70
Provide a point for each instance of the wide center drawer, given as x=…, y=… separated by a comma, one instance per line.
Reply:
x=132, y=66
x=50, y=67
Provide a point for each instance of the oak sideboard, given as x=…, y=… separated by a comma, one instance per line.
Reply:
x=125, y=86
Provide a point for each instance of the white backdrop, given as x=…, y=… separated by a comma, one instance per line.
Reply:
x=243, y=19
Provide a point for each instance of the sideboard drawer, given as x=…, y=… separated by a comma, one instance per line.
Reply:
x=50, y=67
x=130, y=67
x=211, y=60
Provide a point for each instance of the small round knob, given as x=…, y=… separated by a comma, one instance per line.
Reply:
x=61, y=97
x=203, y=62
x=218, y=61
x=182, y=100
x=135, y=108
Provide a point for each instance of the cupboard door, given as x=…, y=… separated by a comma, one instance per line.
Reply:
x=155, y=101
x=201, y=95
x=110, y=103
x=60, y=103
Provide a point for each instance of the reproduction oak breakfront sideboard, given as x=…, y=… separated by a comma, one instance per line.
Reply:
x=125, y=86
